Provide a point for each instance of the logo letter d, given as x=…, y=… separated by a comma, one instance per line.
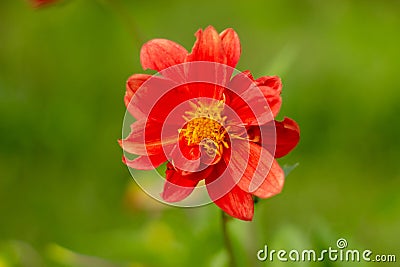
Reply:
x=260, y=253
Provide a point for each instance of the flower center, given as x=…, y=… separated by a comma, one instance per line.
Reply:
x=199, y=129
x=205, y=127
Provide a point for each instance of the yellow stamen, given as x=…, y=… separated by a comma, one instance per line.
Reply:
x=205, y=127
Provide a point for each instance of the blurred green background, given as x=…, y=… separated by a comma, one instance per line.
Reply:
x=67, y=200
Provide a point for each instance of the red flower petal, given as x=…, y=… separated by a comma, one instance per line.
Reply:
x=206, y=79
x=273, y=182
x=145, y=162
x=175, y=102
x=271, y=87
x=274, y=83
x=145, y=139
x=248, y=101
x=132, y=85
x=231, y=44
x=179, y=185
x=241, y=82
x=282, y=138
x=255, y=169
x=159, y=54
x=234, y=201
x=186, y=157
x=40, y=3
x=287, y=135
x=153, y=89
x=208, y=47
x=244, y=87
x=237, y=203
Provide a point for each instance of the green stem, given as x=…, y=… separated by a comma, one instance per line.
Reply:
x=227, y=240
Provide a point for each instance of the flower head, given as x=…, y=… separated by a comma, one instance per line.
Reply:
x=208, y=123
x=41, y=3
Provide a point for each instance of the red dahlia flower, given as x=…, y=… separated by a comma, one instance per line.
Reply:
x=207, y=123
x=40, y=3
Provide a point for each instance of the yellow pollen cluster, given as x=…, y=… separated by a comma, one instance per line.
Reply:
x=205, y=127
x=199, y=129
